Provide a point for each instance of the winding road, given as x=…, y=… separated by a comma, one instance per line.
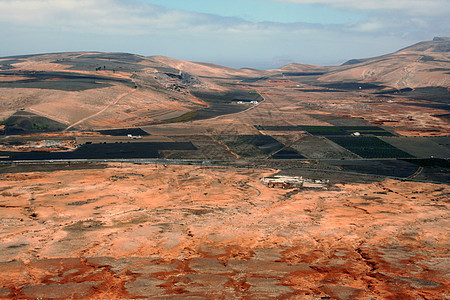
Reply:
x=101, y=111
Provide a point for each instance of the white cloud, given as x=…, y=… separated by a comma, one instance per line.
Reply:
x=368, y=27
x=97, y=15
x=33, y=26
x=137, y=18
x=409, y=7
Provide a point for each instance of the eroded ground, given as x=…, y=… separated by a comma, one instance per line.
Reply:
x=149, y=231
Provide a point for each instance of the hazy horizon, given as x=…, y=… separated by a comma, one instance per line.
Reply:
x=260, y=34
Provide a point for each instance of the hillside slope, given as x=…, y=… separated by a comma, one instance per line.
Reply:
x=93, y=90
x=421, y=65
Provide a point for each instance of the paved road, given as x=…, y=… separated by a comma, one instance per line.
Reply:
x=250, y=164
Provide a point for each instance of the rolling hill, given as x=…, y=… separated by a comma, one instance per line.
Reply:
x=93, y=90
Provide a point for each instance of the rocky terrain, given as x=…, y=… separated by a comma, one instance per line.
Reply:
x=125, y=231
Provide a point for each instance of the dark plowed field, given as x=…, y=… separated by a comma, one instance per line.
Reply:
x=103, y=151
x=124, y=132
x=63, y=81
x=369, y=147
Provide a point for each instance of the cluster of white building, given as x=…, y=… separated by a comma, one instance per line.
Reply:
x=294, y=182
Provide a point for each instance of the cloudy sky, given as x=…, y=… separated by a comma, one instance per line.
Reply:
x=237, y=33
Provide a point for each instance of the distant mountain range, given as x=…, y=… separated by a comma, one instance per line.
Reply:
x=423, y=64
x=107, y=90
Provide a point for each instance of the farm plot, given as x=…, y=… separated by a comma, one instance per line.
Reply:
x=369, y=147
x=103, y=151
x=222, y=103
x=251, y=146
x=104, y=61
x=435, y=169
x=367, y=130
x=124, y=132
x=346, y=130
x=241, y=147
x=316, y=147
x=421, y=147
x=287, y=153
x=63, y=81
x=277, y=128
x=441, y=140
x=329, y=130
x=265, y=142
x=434, y=105
x=392, y=167
x=320, y=91
x=339, y=120
x=207, y=148
x=253, y=80
x=303, y=73
x=435, y=94
x=324, y=130
x=351, y=86
x=228, y=97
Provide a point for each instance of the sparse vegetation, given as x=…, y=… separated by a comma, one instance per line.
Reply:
x=40, y=127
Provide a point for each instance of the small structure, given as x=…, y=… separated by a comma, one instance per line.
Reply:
x=247, y=102
x=287, y=182
x=134, y=137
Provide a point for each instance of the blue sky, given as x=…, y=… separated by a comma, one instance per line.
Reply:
x=238, y=33
x=264, y=10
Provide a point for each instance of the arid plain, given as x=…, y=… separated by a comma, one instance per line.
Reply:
x=128, y=177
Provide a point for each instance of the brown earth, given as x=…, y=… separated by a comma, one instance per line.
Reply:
x=424, y=64
x=123, y=231
x=149, y=231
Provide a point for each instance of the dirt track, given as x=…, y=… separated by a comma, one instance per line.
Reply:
x=150, y=231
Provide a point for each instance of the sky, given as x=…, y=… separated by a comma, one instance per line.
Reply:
x=260, y=34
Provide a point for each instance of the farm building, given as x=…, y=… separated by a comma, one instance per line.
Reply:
x=286, y=182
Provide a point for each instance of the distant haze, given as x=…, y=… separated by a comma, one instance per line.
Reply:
x=237, y=33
